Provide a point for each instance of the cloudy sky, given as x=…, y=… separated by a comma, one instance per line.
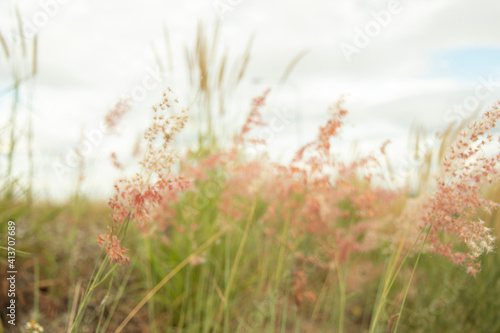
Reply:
x=398, y=64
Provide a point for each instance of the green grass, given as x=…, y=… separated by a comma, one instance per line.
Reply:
x=243, y=285
x=224, y=257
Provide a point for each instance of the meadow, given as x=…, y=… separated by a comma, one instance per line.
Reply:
x=221, y=238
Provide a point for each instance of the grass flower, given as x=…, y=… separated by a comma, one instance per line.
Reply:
x=34, y=327
x=111, y=244
x=453, y=208
x=139, y=195
x=114, y=115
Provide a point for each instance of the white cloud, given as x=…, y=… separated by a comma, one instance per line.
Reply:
x=92, y=51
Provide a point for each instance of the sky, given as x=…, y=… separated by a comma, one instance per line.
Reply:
x=398, y=64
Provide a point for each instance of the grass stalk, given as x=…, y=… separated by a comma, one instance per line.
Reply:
x=121, y=290
x=36, y=291
x=103, y=304
x=389, y=278
x=411, y=278
x=279, y=269
x=76, y=297
x=149, y=282
x=235, y=265
x=342, y=295
x=169, y=276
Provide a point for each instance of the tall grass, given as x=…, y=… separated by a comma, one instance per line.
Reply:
x=312, y=241
x=19, y=54
x=225, y=242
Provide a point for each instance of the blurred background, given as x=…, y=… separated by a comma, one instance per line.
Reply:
x=402, y=66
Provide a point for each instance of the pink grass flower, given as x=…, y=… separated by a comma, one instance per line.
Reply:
x=111, y=244
x=114, y=116
x=454, y=206
x=139, y=196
